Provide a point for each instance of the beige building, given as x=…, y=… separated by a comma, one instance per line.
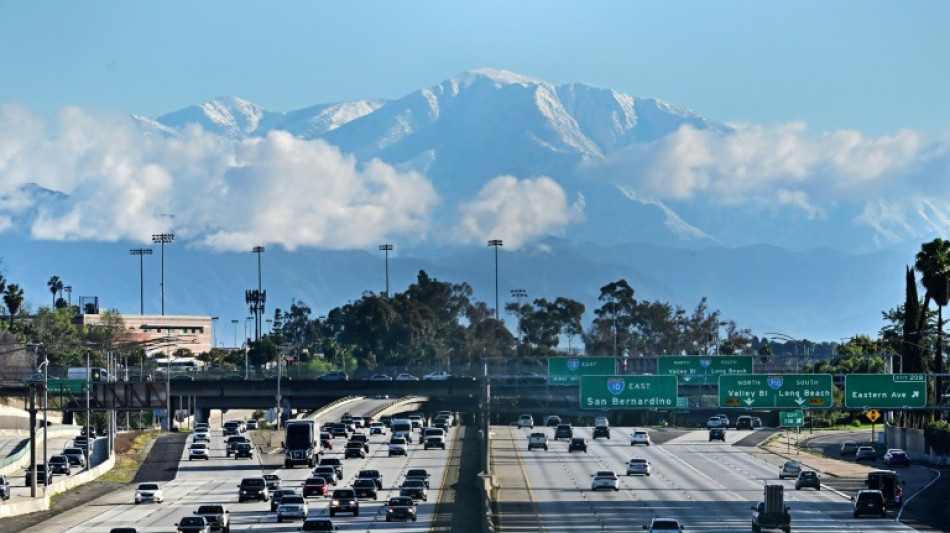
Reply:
x=163, y=331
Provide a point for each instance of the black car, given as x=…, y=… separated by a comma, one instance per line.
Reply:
x=602, y=431
x=335, y=463
x=808, y=478
x=869, y=502
x=577, y=444
x=344, y=501
x=717, y=434
x=418, y=473
x=400, y=508
x=243, y=449
x=324, y=525
x=563, y=431
x=253, y=488
x=354, y=449
x=744, y=422
x=365, y=488
x=375, y=475
x=41, y=477
x=59, y=464
x=192, y=524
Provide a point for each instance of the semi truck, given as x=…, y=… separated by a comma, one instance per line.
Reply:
x=301, y=443
x=771, y=512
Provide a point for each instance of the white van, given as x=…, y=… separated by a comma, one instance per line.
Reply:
x=525, y=421
x=601, y=422
x=402, y=428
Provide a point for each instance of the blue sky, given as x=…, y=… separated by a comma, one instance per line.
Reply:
x=875, y=67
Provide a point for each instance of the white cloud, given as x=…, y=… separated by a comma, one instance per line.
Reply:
x=516, y=212
x=122, y=183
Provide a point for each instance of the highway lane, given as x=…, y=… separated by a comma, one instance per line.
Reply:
x=216, y=480
x=709, y=486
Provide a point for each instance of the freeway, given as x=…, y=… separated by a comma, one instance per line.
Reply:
x=216, y=480
x=708, y=486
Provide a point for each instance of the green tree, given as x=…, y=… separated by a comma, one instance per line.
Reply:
x=13, y=298
x=933, y=263
x=56, y=287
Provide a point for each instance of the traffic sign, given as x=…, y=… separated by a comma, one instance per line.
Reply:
x=885, y=390
x=873, y=415
x=776, y=390
x=702, y=369
x=628, y=392
x=791, y=419
x=567, y=370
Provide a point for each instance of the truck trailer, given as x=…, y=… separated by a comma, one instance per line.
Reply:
x=301, y=443
x=771, y=512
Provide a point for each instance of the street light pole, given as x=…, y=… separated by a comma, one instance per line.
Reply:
x=386, y=248
x=496, y=243
x=214, y=329
x=162, y=238
x=235, y=321
x=140, y=252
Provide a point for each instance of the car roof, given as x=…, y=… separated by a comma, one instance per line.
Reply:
x=605, y=473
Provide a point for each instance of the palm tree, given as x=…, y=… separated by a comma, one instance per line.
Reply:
x=56, y=287
x=933, y=263
x=13, y=297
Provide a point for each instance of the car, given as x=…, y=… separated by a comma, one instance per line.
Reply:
x=713, y=422
x=442, y=422
x=123, y=530
x=848, y=447
x=397, y=446
x=577, y=444
x=253, y=488
x=365, y=488
x=563, y=431
x=334, y=376
x=724, y=419
x=664, y=525
x=41, y=477
x=896, y=457
x=193, y=524
x=526, y=421
x=327, y=472
x=149, y=492
x=417, y=420
x=243, y=449
x=865, y=453
x=450, y=416
x=717, y=434
x=415, y=489
x=601, y=431
x=744, y=422
x=377, y=428
x=605, y=479
x=75, y=456
x=400, y=508
x=868, y=502
x=291, y=507
x=276, y=496
x=198, y=450
x=418, y=473
x=354, y=449
x=789, y=469
x=218, y=517
x=537, y=440
x=201, y=436
x=335, y=462
x=638, y=467
x=339, y=431
x=252, y=424
x=375, y=475
x=438, y=375
x=808, y=478
x=639, y=436
x=233, y=441
x=380, y=377
x=756, y=422
x=552, y=421
x=273, y=481
x=59, y=464
x=406, y=377
x=344, y=501
x=316, y=523
x=315, y=486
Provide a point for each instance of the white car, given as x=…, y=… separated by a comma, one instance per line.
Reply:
x=438, y=375
x=639, y=436
x=198, y=450
x=377, y=428
x=525, y=421
x=201, y=436
x=397, y=446
x=713, y=422
x=638, y=467
x=292, y=507
x=149, y=492
x=406, y=377
x=605, y=479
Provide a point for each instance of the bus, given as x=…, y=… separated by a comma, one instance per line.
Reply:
x=88, y=374
x=180, y=364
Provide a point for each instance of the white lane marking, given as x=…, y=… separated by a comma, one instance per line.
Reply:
x=925, y=487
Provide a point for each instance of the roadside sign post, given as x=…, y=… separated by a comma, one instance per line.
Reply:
x=796, y=391
x=628, y=392
x=702, y=369
x=872, y=415
x=568, y=370
x=792, y=419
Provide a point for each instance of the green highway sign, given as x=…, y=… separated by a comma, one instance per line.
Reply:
x=628, y=392
x=885, y=390
x=567, y=370
x=702, y=369
x=682, y=403
x=791, y=419
x=776, y=390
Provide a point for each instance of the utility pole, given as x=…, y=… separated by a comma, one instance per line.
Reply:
x=496, y=243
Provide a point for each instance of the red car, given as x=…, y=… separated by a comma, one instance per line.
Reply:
x=315, y=486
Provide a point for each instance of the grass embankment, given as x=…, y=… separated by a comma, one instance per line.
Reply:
x=130, y=450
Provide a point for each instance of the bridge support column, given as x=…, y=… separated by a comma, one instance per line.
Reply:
x=286, y=411
x=203, y=414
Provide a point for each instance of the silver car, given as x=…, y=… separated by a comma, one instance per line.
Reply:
x=790, y=469
x=638, y=467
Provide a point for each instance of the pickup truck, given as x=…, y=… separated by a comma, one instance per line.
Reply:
x=4, y=488
x=537, y=440
x=217, y=517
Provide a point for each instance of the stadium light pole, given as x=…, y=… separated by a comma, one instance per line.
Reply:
x=496, y=243
x=214, y=329
x=259, y=309
x=234, y=322
x=163, y=238
x=386, y=248
x=139, y=252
